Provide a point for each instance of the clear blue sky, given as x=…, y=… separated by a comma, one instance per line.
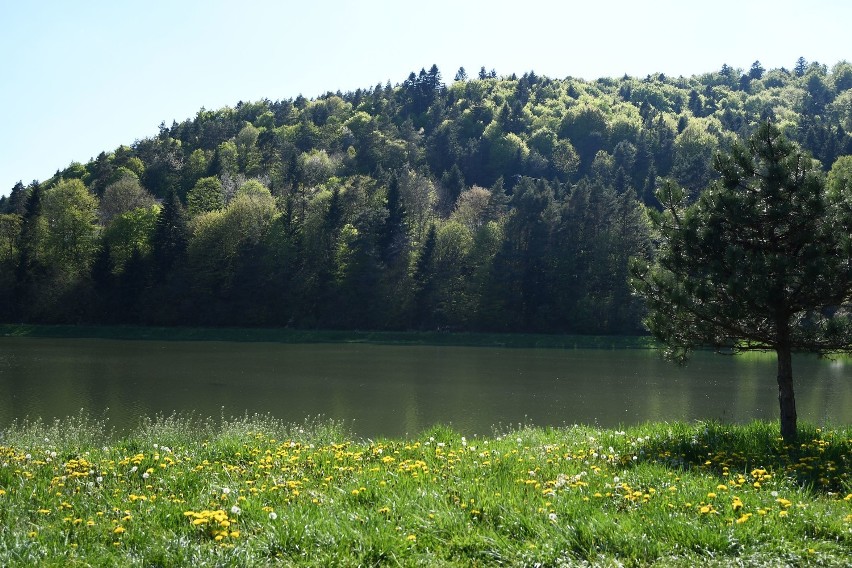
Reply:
x=79, y=77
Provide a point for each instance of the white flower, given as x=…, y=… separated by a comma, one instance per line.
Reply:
x=273, y=515
x=156, y=446
x=552, y=517
x=146, y=475
x=99, y=479
x=236, y=510
x=225, y=491
x=133, y=469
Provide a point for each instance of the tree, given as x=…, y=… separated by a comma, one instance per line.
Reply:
x=123, y=195
x=801, y=67
x=70, y=214
x=10, y=230
x=756, y=71
x=169, y=241
x=762, y=261
x=206, y=195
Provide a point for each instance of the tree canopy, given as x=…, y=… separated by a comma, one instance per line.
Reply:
x=489, y=203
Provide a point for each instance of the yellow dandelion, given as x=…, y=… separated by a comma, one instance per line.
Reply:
x=411, y=538
x=118, y=530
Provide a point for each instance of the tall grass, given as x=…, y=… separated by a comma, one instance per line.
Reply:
x=253, y=491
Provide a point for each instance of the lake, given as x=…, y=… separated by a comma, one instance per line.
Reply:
x=381, y=390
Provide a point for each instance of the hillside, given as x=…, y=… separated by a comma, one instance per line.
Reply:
x=481, y=203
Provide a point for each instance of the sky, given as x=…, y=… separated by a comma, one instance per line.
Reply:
x=81, y=77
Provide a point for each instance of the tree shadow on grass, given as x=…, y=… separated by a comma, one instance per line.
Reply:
x=820, y=460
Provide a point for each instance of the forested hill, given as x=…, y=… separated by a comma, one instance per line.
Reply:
x=481, y=203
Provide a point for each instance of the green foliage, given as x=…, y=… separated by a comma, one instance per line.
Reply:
x=123, y=195
x=70, y=215
x=130, y=232
x=206, y=195
x=349, y=184
x=761, y=261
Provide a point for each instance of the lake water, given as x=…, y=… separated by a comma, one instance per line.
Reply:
x=401, y=390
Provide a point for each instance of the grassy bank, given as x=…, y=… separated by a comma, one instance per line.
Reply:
x=281, y=335
x=255, y=492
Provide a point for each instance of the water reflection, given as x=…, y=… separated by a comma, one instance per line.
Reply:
x=395, y=390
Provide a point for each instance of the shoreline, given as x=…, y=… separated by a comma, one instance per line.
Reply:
x=285, y=335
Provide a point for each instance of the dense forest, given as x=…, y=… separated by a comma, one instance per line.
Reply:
x=488, y=202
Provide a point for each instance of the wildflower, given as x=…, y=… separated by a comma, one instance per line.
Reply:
x=744, y=518
x=225, y=490
x=411, y=538
x=273, y=515
x=552, y=517
x=118, y=530
x=236, y=510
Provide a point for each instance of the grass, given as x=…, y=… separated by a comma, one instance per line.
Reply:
x=188, y=491
x=283, y=335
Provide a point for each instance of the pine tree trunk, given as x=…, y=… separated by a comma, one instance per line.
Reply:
x=786, y=397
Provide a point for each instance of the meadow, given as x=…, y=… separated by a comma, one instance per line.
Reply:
x=253, y=491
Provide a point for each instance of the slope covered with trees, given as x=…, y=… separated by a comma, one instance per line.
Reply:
x=487, y=203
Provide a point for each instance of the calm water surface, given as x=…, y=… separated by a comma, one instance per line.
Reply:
x=401, y=390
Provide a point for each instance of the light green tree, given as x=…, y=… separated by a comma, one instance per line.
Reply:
x=70, y=212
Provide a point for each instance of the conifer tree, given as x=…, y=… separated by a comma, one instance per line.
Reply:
x=762, y=261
